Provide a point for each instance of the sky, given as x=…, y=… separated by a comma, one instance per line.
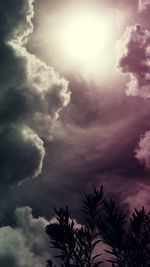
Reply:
x=74, y=113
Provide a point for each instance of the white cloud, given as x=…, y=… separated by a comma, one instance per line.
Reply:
x=134, y=60
x=27, y=244
x=143, y=150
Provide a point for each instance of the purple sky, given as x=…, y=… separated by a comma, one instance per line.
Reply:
x=63, y=132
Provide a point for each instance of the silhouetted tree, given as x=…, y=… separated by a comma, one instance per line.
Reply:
x=129, y=243
x=127, y=239
x=77, y=244
x=138, y=239
x=111, y=225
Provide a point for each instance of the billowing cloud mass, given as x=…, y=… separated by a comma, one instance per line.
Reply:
x=27, y=244
x=143, y=150
x=31, y=96
x=135, y=60
x=94, y=139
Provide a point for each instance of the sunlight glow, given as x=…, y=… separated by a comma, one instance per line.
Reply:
x=80, y=40
x=86, y=37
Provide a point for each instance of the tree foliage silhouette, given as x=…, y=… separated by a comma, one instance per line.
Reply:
x=77, y=244
x=129, y=243
x=127, y=239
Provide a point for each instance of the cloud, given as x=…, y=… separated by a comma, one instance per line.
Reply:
x=135, y=60
x=139, y=198
x=25, y=245
x=22, y=153
x=16, y=19
x=143, y=150
x=143, y=4
x=87, y=143
x=31, y=96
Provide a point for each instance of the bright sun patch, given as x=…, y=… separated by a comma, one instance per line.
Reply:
x=82, y=40
x=86, y=37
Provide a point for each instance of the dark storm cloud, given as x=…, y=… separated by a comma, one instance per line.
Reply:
x=31, y=96
x=135, y=60
x=15, y=19
x=22, y=152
